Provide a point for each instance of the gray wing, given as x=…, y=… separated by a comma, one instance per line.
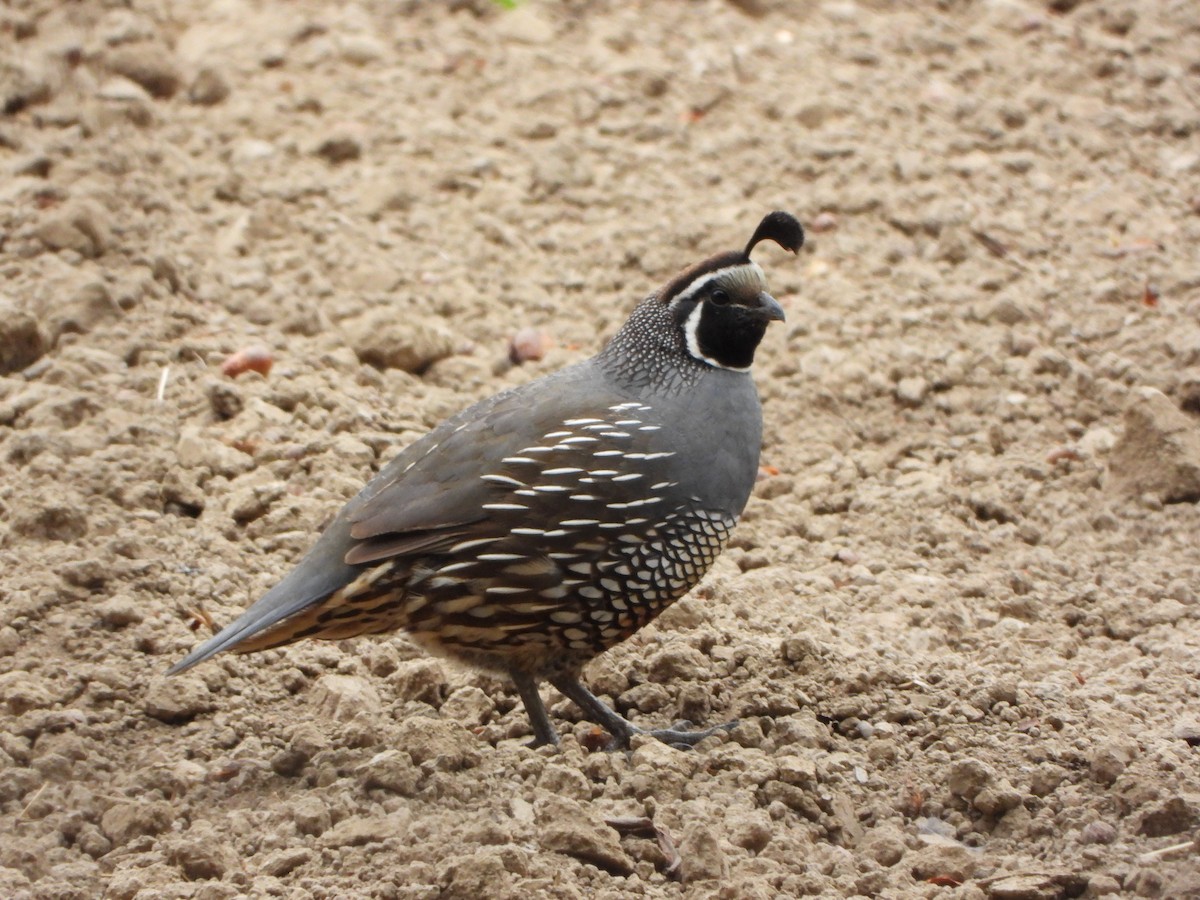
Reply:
x=422, y=501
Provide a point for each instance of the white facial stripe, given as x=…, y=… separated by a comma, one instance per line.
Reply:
x=740, y=272
x=690, y=328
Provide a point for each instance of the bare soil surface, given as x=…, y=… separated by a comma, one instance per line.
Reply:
x=960, y=622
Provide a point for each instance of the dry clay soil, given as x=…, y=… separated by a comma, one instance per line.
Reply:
x=959, y=623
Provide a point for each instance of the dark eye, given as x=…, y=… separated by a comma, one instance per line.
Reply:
x=719, y=297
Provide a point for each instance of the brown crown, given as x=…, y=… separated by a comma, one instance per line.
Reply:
x=777, y=226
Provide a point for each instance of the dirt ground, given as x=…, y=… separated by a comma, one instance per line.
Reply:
x=960, y=621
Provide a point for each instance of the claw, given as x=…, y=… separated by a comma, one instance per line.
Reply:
x=621, y=729
x=682, y=739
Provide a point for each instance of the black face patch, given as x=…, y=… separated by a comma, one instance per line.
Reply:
x=728, y=334
x=724, y=315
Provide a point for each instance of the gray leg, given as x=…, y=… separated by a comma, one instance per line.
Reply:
x=595, y=709
x=543, y=731
x=621, y=728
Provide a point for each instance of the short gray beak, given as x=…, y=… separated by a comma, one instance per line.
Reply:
x=770, y=308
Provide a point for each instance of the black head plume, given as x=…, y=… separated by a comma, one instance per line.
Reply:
x=780, y=227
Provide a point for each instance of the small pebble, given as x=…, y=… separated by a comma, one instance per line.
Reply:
x=968, y=777
x=150, y=65
x=177, y=700
x=343, y=145
x=363, y=49
x=1188, y=732
x=255, y=358
x=1098, y=833
x=912, y=391
x=209, y=87
x=342, y=697
x=847, y=556
x=21, y=340
x=822, y=222
x=527, y=345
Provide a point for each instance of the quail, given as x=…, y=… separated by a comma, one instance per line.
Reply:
x=542, y=526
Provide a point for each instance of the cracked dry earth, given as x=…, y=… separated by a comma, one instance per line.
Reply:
x=960, y=621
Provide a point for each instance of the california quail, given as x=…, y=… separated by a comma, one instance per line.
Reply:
x=544, y=525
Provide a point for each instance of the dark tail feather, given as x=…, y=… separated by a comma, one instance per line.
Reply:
x=270, y=610
x=317, y=576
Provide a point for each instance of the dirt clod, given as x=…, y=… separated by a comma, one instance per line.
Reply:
x=570, y=828
x=1158, y=453
x=389, y=340
x=177, y=700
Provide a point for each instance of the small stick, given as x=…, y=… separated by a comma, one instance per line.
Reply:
x=162, y=384
x=1152, y=855
x=32, y=800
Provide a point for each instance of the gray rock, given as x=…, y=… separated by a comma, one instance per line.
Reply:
x=391, y=770
x=647, y=698
x=446, y=745
x=571, y=828
x=800, y=771
x=80, y=226
x=362, y=49
x=912, y=391
x=678, y=662
x=1007, y=311
x=177, y=700
x=21, y=340
x=202, y=854
x=281, y=862
x=59, y=522
x=10, y=640
x=88, y=306
x=120, y=611
x=968, y=777
x=1097, y=833
x=1110, y=760
x=940, y=856
x=357, y=831
x=147, y=64
x=124, y=821
x=390, y=340
x=702, y=855
x=310, y=815
x=209, y=87
x=344, y=145
x=1158, y=453
x=1040, y=886
x=997, y=798
x=195, y=449
x=885, y=844
x=23, y=691
x=1174, y=815
x=565, y=781
x=342, y=697
x=422, y=680
x=22, y=82
x=468, y=705
x=305, y=743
